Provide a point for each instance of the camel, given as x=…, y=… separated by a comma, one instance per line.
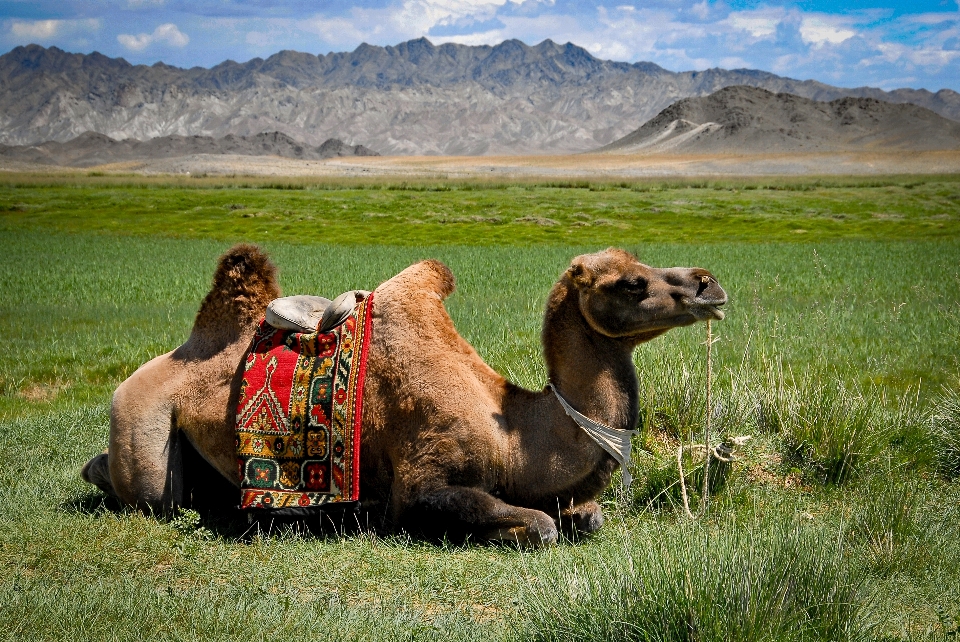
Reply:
x=449, y=447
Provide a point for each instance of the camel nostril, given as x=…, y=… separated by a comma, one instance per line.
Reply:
x=703, y=285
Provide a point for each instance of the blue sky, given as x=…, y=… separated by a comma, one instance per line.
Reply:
x=881, y=43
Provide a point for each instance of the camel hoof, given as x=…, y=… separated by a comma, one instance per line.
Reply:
x=525, y=536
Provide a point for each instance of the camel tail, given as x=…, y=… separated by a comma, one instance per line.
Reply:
x=97, y=472
x=244, y=282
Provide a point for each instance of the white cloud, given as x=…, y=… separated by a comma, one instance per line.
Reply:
x=347, y=32
x=492, y=37
x=408, y=19
x=417, y=17
x=44, y=30
x=259, y=38
x=759, y=24
x=820, y=30
x=135, y=43
x=165, y=33
x=701, y=10
x=41, y=29
x=929, y=18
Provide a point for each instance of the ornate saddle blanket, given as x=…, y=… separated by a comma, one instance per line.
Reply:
x=298, y=417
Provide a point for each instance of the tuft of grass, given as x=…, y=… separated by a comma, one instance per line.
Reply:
x=835, y=431
x=762, y=581
x=945, y=431
x=886, y=522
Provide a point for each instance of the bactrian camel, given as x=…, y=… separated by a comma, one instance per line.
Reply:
x=448, y=446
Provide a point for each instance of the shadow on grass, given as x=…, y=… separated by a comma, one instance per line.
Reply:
x=210, y=505
x=331, y=524
x=224, y=520
x=92, y=503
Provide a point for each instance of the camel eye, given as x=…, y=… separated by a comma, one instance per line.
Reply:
x=633, y=286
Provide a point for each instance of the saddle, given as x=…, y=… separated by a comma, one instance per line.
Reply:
x=306, y=313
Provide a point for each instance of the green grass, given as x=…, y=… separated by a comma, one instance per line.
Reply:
x=489, y=214
x=840, y=344
x=764, y=580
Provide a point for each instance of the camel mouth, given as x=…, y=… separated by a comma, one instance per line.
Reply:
x=706, y=310
x=714, y=311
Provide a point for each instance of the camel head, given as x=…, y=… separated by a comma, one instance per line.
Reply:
x=620, y=297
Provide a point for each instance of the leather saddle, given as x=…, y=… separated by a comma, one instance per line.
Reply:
x=306, y=313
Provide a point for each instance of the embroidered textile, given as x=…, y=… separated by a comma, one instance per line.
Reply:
x=298, y=418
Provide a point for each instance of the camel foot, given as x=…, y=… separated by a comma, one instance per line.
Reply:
x=584, y=519
x=522, y=536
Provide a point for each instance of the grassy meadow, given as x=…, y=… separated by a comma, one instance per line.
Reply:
x=840, y=356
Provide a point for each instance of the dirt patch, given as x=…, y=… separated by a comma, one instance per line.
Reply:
x=559, y=167
x=41, y=391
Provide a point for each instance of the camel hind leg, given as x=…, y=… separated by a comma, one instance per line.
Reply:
x=143, y=466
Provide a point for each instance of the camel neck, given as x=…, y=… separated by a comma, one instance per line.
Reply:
x=594, y=372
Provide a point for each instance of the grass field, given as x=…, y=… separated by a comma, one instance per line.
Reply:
x=840, y=354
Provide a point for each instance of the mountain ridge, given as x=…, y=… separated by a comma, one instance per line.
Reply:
x=410, y=98
x=91, y=148
x=743, y=119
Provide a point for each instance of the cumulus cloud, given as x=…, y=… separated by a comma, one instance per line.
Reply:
x=407, y=19
x=759, y=24
x=342, y=31
x=166, y=33
x=820, y=30
x=45, y=30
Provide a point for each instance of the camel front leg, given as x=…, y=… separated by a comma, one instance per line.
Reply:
x=459, y=512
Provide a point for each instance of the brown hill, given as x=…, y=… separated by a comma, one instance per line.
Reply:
x=91, y=149
x=750, y=119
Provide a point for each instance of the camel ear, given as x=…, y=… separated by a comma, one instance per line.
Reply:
x=580, y=274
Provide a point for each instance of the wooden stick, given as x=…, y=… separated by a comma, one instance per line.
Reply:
x=706, y=427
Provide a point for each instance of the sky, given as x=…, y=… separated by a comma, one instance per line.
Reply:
x=850, y=43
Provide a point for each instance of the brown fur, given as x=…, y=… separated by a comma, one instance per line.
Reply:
x=185, y=394
x=448, y=445
x=244, y=282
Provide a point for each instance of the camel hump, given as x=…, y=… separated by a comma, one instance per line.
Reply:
x=416, y=288
x=244, y=282
x=439, y=276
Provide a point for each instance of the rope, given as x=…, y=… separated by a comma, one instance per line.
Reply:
x=715, y=453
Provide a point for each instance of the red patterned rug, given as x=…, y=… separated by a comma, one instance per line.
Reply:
x=298, y=418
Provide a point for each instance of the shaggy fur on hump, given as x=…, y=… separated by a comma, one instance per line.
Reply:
x=244, y=282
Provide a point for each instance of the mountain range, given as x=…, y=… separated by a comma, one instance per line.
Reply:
x=90, y=148
x=749, y=120
x=413, y=98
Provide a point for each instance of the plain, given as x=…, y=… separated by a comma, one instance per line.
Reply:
x=840, y=354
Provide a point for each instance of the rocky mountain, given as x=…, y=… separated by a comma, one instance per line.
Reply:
x=91, y=148
x=749, y=119
x=414, y=98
